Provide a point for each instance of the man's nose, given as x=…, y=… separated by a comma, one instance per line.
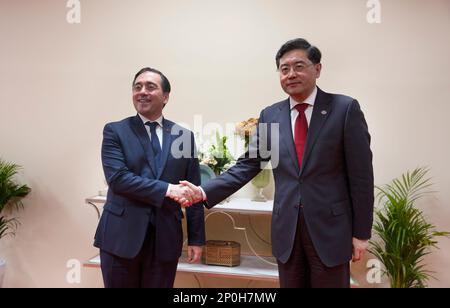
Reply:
x=143, y=90
x=291, y=73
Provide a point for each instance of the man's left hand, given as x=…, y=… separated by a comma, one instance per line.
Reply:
x=194, y=254
x=359, y=248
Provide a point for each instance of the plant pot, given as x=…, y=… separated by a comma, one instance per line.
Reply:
x=2, y=271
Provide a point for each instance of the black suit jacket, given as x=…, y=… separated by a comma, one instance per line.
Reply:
x=334, y=185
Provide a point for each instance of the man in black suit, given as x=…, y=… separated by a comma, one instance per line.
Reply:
x=140, y=232
x=323, y=207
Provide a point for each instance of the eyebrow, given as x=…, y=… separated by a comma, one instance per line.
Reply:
x=147, y=82
x=297, y=62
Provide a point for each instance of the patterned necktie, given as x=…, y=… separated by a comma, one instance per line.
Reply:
x=301, y=132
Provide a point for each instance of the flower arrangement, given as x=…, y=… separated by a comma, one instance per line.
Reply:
x=218, y=157
x=246, y=129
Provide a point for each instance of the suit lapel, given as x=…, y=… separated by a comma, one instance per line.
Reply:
x=321, y=112
x=166, y=144
x=139, y=129
x=284, y=119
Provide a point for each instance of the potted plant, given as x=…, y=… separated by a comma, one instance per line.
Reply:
x=405, y=236
x=11, y=195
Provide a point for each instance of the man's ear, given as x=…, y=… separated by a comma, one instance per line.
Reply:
x=318, y=70
x=166, y=99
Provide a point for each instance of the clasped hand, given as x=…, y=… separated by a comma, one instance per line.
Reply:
x=185, y=193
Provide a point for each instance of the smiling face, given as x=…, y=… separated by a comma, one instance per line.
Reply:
x=298, y=74
x=149, y=98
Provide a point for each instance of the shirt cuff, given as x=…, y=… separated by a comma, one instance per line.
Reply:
x=203, y=193
x=168, y=190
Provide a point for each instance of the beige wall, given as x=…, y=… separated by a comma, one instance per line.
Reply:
x=60, y=83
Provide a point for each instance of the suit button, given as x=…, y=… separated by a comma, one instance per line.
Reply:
x=297, y=207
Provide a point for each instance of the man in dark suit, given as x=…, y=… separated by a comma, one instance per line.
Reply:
x=140, y=232
x=323, y=207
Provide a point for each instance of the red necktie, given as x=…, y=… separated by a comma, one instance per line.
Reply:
x=300, y=132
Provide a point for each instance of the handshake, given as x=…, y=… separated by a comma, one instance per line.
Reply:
x=185, y=193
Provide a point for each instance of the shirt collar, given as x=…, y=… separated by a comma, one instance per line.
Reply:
x=310, y=100
x=145, y=120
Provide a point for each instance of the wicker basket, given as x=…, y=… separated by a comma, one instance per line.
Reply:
x=225, y=253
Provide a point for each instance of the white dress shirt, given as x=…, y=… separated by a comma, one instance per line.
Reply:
x=159, y=131
x=308, y=112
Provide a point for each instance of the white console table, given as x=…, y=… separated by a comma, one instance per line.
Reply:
x=252, y=267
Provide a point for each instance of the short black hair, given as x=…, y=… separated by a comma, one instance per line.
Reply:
x=165, y=84
x=313, y=52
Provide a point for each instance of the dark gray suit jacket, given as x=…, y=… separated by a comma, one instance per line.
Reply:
x=334, y=185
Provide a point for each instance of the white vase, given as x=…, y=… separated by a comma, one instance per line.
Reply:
x=260, y=182
x=2, y=271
